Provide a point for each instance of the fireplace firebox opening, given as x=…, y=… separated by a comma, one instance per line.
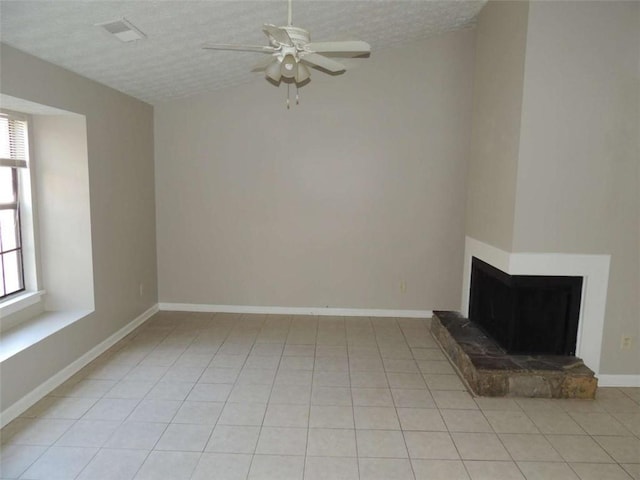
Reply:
x=526, y=314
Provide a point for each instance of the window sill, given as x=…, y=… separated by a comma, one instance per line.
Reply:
x=32, y=331
x=23, y=322
x=20, y=302
x=20, y=308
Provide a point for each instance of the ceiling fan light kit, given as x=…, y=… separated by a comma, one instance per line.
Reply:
x=293, y=53
x=273, y=72
x=289, y=66
x=303, y=74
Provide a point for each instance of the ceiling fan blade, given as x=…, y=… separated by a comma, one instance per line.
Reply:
x=352, y=48
x=317, y=60
x=280, y=35
x=242, y=48
x=262, y=65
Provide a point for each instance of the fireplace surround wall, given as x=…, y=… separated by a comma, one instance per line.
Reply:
x=593, y=268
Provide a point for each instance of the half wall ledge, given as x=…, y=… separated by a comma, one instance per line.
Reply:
x=491, y=372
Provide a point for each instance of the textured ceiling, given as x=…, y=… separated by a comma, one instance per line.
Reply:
x=169, y=63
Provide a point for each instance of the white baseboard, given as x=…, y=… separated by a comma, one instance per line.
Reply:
x=346, y=312
x=619, y=380
x=13, y=411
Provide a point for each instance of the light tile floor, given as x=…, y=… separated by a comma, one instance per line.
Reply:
x=222, y=396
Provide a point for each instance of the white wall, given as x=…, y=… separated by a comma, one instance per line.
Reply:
x=64, y=218
x=332, y=203
x=120, y=159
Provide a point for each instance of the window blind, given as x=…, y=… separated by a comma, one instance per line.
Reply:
x=13, y=142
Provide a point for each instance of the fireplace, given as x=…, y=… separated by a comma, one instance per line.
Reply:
x=526, y=314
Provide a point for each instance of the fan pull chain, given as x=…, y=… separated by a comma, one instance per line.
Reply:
x=289, y=96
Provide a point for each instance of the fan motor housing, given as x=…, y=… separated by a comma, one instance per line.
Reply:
x=299, y=36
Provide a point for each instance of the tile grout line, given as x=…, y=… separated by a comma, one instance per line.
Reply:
x=404, y=336
x=151, y=450
x=204, y=447
x=125, y=419
x=109, y=353
x=170, y=421
x=306, y=449
x=236, y=383
x=359, y=332
x=353, y=406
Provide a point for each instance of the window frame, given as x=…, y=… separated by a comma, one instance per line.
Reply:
x=18, y=157
x=30, y=297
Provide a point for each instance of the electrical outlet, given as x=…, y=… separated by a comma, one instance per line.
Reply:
x=625, y=342
x=403, y=286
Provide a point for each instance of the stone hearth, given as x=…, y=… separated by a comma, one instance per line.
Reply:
x=492, y=372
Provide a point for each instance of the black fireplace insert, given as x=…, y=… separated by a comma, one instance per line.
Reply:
x=526, y=314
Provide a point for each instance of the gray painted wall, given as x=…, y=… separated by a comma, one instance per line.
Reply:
x=556, y=136
x=362, y=186
x=120, y=154
x=578, y=188
x=332, y=203
x=497, y=108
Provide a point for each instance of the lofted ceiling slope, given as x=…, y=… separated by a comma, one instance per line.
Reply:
x=169, y=62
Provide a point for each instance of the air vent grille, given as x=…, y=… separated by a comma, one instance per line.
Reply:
x=123, y=30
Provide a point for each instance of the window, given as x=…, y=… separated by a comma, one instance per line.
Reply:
x=13, y=156
x=44, y=195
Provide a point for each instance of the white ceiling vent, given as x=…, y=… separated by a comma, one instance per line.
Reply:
x=123, y=30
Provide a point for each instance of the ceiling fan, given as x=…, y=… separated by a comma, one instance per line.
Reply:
x=292, y=52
